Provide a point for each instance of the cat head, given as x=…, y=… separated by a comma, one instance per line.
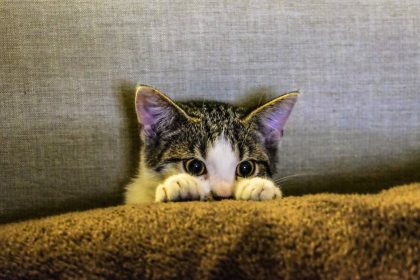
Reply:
x=217, y=142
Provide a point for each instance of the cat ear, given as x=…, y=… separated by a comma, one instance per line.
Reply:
x=155, y=111
x=272, y=116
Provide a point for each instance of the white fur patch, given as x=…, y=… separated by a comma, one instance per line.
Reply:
x=257, y=189
x=221, y=165
x=180, y=187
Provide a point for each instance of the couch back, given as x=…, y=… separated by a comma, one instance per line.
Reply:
x=68, y=138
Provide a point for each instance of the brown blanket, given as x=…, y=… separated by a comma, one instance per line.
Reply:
x=314, y=236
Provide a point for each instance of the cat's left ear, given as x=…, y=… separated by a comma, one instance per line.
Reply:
x=156, y=112
x=271, y=117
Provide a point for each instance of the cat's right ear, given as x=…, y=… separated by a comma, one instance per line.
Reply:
x=272, y=116
x=155, y=111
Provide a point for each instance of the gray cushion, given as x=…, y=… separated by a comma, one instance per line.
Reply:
x=67, y=69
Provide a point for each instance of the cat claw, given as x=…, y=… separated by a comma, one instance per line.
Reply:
x=180, y=187
x=257, y=189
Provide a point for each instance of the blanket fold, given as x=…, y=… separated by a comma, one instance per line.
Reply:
x=315, y=236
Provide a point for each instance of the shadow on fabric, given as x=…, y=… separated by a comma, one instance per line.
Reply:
x=369, y=180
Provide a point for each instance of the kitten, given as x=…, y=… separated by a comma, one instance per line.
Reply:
x=201, y=150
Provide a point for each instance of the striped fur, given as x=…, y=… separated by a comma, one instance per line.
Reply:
x=173, y=132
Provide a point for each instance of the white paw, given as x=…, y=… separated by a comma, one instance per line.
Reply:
x=180, y=187
x=256, y=189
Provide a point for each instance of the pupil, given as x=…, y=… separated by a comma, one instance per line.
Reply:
x=195, y=167
x=245, y=168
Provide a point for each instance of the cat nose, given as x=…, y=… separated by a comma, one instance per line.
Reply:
x=222, y=190
x=220, y=196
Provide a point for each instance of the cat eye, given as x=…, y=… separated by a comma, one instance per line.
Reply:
x=245, y=168
x=195, y=167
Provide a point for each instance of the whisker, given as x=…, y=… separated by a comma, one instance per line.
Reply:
x=285, y=178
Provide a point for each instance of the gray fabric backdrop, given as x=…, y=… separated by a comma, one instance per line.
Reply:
x=67, y=69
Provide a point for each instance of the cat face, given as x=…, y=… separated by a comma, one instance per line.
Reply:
x=216, y=142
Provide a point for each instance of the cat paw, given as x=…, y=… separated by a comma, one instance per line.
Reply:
x=180, y=187
x=257, y=189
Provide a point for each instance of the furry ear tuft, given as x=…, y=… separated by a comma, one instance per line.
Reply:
x=272, y=116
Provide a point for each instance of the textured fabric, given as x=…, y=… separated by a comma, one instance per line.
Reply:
x=67, y=68
x=321, y=236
